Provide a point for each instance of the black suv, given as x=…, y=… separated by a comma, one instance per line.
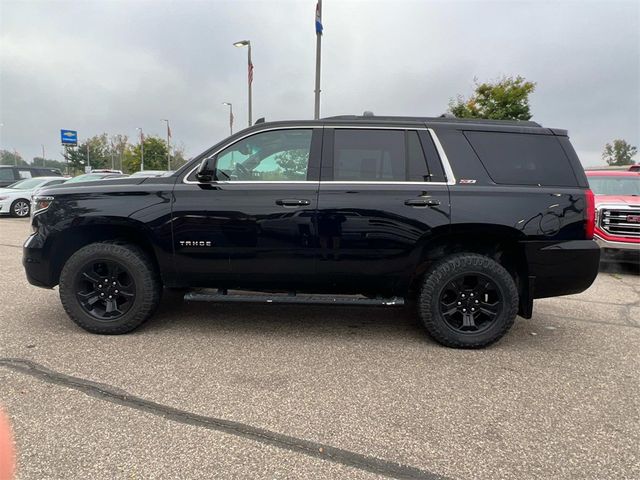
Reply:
x=470, y=220
x=11, y=174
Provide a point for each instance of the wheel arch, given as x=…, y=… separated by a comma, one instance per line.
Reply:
x=498, y=242
x=86, y=231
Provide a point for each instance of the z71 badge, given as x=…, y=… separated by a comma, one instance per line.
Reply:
x=466, y=181
x=195, y=243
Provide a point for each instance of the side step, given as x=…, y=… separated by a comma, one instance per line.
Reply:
x=258, y=297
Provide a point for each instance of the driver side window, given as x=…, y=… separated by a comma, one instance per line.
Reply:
x=276, y=155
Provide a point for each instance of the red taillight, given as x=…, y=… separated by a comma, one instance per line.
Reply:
x=590, y=223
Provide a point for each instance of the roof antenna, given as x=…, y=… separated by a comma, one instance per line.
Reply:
x=447, y=115
x=367, y=113
x=260, y=120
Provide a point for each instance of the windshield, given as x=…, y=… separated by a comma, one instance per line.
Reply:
x=27, y=184
x=612, y=185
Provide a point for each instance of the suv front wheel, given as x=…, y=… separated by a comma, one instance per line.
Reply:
x=468, y=301
x=109, y=288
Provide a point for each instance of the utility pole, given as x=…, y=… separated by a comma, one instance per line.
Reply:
x=168, y=144
x=316, y=113
x=141, y=149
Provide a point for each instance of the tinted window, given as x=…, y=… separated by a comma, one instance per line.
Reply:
x=6, y=175
x=521, y=159
x=277, y=155
x=418, y=170
x=369, y=155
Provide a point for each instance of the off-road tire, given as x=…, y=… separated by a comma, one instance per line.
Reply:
x=143, y=272
x=443, y=272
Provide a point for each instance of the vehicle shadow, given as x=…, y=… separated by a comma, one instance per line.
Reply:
x=288, y=320
x=620, y=268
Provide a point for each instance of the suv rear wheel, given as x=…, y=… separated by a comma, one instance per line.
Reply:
x=468, y=301
x=109, y=288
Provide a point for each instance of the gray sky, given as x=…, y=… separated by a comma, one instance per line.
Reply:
x=111, y=66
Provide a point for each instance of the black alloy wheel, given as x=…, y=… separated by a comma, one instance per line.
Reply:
x=468, y=300
x=105, y=289
x=470, y=303
x=110, y=288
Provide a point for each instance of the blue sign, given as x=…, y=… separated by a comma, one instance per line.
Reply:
x=69, y=137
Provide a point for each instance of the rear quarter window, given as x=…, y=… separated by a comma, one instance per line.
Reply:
x=523, y=159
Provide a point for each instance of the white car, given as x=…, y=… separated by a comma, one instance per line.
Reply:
x=15, y=200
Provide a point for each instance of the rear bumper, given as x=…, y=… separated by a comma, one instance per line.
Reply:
x=561, y=268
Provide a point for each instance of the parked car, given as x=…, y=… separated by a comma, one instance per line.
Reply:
x=617, y=228
x=10, y=174
x=91, y=177
x=469, y=219
x=15, y=200
x=151, y=173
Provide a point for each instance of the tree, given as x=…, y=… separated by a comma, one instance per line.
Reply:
x=293, y=164
x=505, y=99
x=48, y=163
x=11, y=158
x=620, y=153
x=155, y=155
x=94, y=152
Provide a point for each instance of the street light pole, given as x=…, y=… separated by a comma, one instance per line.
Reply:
x=141, y=149
x=88, y=162
x=247, y=43
x=230, y=116
x=43, y=162
x=168, y=145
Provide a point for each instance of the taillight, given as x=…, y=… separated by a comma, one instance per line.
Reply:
x=590, y=223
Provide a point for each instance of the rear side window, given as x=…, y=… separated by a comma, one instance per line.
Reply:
x=6, y=175
x=369, y=155
x=521, y=159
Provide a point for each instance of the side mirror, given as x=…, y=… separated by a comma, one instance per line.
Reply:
x=206, y=171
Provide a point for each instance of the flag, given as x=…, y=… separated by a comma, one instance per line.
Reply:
x=318, y=20
x=168, y=130
x=250, y=72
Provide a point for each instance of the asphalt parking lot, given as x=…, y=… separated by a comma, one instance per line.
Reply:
x=248, y=391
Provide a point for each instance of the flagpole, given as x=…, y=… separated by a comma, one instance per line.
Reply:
x=168, y=144
x=250, y=78
x=316, y=114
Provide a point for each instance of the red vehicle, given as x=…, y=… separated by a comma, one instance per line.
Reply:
x=617, y=196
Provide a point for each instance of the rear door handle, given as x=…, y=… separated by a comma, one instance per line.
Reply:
x=422, y=202
x=292, y=202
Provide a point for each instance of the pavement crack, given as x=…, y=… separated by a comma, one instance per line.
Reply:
x=8, y=245
x=298, y=445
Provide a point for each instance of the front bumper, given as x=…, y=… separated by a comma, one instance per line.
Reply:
x=615, y=245
x=36, y=265
x=5, y=207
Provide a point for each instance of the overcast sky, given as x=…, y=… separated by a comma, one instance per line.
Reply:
x=111, y=66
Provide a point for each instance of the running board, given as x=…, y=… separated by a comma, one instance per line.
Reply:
x=223, y=296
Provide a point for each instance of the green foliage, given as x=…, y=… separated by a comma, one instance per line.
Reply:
x=155, y=155
x=11, y=158
x=48, y=163
x=620, y=153
x=94, y=151
x=506, y=99
x=293, y=164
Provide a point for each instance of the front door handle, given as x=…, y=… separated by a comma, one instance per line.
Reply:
x=422, y=202
x=292, y=202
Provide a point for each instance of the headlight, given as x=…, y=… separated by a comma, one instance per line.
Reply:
x=40, y=204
